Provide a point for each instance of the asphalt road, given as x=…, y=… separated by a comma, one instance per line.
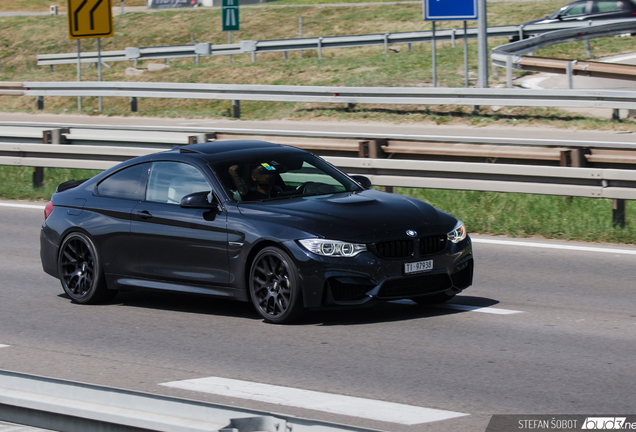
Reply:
x=557, y=338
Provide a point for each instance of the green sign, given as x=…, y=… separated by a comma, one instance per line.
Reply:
x=230, y=14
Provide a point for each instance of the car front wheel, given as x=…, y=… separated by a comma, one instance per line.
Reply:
x=81, y=272
x=275, y=287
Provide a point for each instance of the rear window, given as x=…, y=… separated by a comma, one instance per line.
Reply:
x=129, y=183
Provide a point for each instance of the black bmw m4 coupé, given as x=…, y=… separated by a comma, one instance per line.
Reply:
x=251, y=221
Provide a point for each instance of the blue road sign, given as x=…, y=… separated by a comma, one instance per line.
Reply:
x=450, y=10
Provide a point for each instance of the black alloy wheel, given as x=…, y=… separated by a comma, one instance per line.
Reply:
x=80, y=270
x=274, y=286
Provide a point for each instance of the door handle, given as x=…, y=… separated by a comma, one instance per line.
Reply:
x=144, y=214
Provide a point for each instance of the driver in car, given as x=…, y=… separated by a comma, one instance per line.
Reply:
x=261, y=177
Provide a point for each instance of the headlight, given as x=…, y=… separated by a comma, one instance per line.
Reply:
x=332, y=247
x=458, y=234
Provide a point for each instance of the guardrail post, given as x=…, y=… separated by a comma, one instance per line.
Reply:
x=201, y=138
x=236, y=109
x=40, y=102
x=453, y=38
x=618, y=213
x=286, y=55
x=495, y=72
x=386, y=43
x=53, y=136
x=38, y=177
x=410, y=45
x=133, y=104
x=521, y=32
x=300, y=32
x=373, y=149
x=320, y=47
x=569, y=71
x=616, y=114
x=509, y=72
x=574, y=158
x=588, y=50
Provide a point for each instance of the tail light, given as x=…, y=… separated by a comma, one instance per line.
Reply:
x=48, y=209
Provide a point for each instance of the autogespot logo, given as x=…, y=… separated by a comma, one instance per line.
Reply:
x=607, y=423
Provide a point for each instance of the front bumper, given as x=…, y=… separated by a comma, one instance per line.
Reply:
x=329, y=282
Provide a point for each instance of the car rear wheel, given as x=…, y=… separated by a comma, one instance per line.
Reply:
x=434, y=299
x=274, y=286
x=81, y=272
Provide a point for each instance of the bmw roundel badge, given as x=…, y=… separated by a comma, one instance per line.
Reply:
x=411, y=233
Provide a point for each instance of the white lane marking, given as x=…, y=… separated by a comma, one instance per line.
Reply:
x=3, y=346
x=463, y=307
x=28, y=206
x=308, y=399
x=554, y=246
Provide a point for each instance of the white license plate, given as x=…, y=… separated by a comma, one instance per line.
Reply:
x=418, y=267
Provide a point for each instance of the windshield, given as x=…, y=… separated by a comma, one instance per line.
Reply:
x=281, y=176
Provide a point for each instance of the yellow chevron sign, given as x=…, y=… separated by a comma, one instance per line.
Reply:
x=89, y=19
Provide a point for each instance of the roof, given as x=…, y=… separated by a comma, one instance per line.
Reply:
x=230, y=146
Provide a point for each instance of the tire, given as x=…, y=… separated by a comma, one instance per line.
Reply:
x=275, y=286
x=434, y=299
x=81, y=272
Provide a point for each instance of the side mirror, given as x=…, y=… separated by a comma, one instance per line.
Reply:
x=363, y=181
x=198, y=200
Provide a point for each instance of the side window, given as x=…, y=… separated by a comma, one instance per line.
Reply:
x=607, y=6
x=169, y=182
x=575, y=9
x=129, y=183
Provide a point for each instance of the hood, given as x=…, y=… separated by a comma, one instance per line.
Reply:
x=366, y=216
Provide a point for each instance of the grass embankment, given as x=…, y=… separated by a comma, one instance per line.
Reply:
x=22, y=38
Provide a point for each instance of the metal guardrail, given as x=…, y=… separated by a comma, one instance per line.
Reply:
x=509, y=55
x=11, y=88
x=313, y=43
x=347, y=95
x=547, y=180
x=617, y=184
x=542, y=180
x=396, y=146
x=67, y=406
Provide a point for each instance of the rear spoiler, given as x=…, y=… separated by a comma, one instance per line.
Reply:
x=70, y=184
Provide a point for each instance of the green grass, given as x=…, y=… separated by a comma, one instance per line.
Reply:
x=17, y=182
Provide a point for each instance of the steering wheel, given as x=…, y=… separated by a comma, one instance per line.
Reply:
x=306, y=188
